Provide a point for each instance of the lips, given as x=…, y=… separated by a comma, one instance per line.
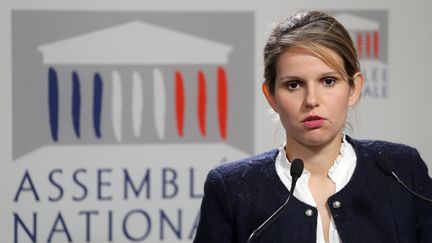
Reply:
x=312, y=118
x=313, y=122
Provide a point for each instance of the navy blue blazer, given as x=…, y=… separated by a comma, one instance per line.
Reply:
x=239, y=196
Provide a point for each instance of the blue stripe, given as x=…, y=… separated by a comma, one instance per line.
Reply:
x=53, y=103
x=76, y=104
x=97, y=104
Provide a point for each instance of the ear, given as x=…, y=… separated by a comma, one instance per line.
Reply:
x=269, y=96
x=355, y=92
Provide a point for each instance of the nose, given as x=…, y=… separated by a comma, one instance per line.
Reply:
x=312, y=97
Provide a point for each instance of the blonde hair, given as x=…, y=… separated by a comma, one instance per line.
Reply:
x=316, y=32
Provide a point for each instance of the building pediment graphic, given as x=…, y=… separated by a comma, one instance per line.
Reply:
x=355, y=23
x=135, y=43
x=135, y=78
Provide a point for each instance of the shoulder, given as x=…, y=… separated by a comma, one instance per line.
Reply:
x=257, y=165
x=248, y=165
x=381, y=148
x=401, y=156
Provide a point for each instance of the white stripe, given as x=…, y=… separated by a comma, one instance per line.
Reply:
x=159, y=102
x=137, y=103
x=117, y=103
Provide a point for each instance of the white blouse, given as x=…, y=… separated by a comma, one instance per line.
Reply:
x=340, y=173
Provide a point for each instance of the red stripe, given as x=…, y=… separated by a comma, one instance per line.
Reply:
x=202, y=103
x=359, y=44
x=179, y=102
x=222, y=98
x=376, y=44
x=368, y=44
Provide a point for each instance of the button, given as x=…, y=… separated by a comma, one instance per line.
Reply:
x=309, y=212
x=336, y=204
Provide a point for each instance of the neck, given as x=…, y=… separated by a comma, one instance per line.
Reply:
x=318, y=159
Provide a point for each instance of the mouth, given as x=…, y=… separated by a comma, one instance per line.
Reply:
x=313, y=118
x=313, y=122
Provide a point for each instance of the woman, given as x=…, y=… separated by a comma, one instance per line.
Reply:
x=312, y=77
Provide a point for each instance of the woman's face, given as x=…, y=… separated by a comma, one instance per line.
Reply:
x=312, y=99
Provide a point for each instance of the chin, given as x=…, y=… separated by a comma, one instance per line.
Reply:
x=317, y=139
x=314, y=142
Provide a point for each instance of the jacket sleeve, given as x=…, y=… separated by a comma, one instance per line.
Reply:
x=216, y=217
x=423, y=185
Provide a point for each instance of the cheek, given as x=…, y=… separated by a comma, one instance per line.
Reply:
x=284, y=103
x=287, y=108
x=340, y=106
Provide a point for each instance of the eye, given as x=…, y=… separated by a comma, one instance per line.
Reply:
x=292, y=84
x=328, y=81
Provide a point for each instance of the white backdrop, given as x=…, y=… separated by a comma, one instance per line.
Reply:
x=82, y=192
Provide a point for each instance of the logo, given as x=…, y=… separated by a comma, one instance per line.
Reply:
x=118, y=116
x=131, y=78
x=369, y=32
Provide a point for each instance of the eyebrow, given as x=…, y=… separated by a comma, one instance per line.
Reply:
x=294, y=77
x=330, y=73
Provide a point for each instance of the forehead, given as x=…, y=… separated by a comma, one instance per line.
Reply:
x=300, y=61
